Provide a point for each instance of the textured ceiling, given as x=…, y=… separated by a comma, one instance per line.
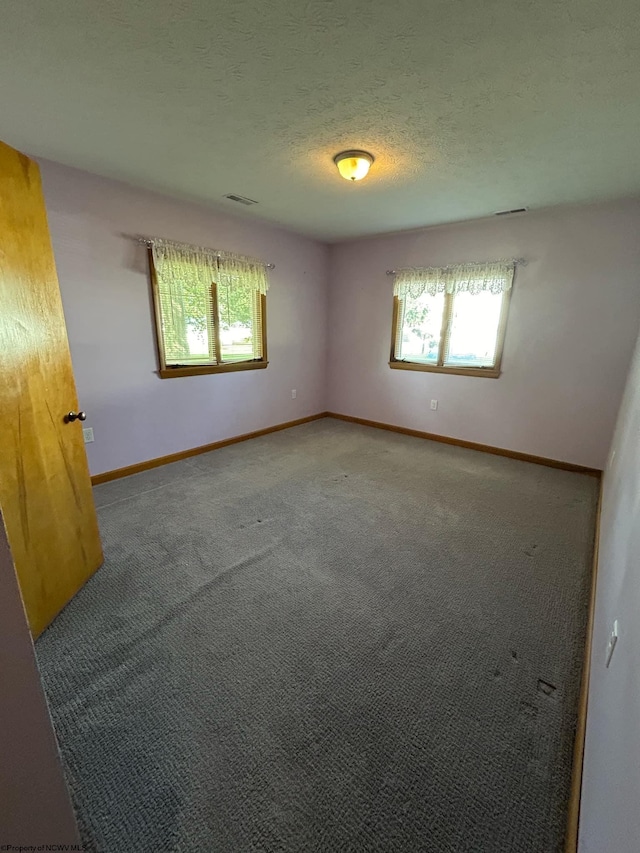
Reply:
x=468, y=107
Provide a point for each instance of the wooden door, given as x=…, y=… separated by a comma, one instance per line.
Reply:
x=45, y=490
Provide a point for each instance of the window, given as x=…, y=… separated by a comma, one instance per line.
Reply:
x=451, y=319
x=209, y=309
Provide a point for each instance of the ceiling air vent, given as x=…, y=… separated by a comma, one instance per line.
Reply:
x=508, y=212
x=240, y=199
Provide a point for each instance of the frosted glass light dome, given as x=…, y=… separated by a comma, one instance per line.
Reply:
x=353, y=165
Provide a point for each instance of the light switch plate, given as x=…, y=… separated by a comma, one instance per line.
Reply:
x=87, y=434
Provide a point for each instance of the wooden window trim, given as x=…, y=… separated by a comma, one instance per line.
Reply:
x=213, y=335
x=203, y=369
x=487, y=372
x=493, y=372
x=445, y=328
x=166, y=371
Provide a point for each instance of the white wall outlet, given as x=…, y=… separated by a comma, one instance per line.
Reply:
x=434, y=405
x=87, y=434
x=294, y=393
x=613, y=639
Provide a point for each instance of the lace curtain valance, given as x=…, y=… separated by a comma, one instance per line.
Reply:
x=493, y=276
x=198, y=266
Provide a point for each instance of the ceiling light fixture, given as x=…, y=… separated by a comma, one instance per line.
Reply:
x=353, y=165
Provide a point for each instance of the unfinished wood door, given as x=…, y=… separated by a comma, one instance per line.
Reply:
x=45, y=490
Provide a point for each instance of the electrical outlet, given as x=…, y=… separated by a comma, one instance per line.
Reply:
x=294, y=393
x=87, y=434
x=613, y=639
x=434, y=405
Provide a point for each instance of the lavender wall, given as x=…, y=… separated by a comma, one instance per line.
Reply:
x=105, y=291
x=573, y=320
x=34, y=802
x=610, y=818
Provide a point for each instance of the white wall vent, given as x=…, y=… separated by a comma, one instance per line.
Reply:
x=507, y=212
x=240, y=199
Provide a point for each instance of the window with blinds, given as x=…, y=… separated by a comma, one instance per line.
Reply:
x=209, y=308
x=451, y=319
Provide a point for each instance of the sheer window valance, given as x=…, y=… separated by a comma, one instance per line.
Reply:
x=492, y=277
x=194, y=265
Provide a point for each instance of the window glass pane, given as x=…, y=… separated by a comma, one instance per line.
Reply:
x=185, y=307
x=419, y=331
x=236, y=311
x=474, y=330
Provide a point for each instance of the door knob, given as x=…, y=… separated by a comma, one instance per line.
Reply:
x=76, y=416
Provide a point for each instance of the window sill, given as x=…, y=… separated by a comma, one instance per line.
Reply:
x=202, y=369
x=486, y=372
